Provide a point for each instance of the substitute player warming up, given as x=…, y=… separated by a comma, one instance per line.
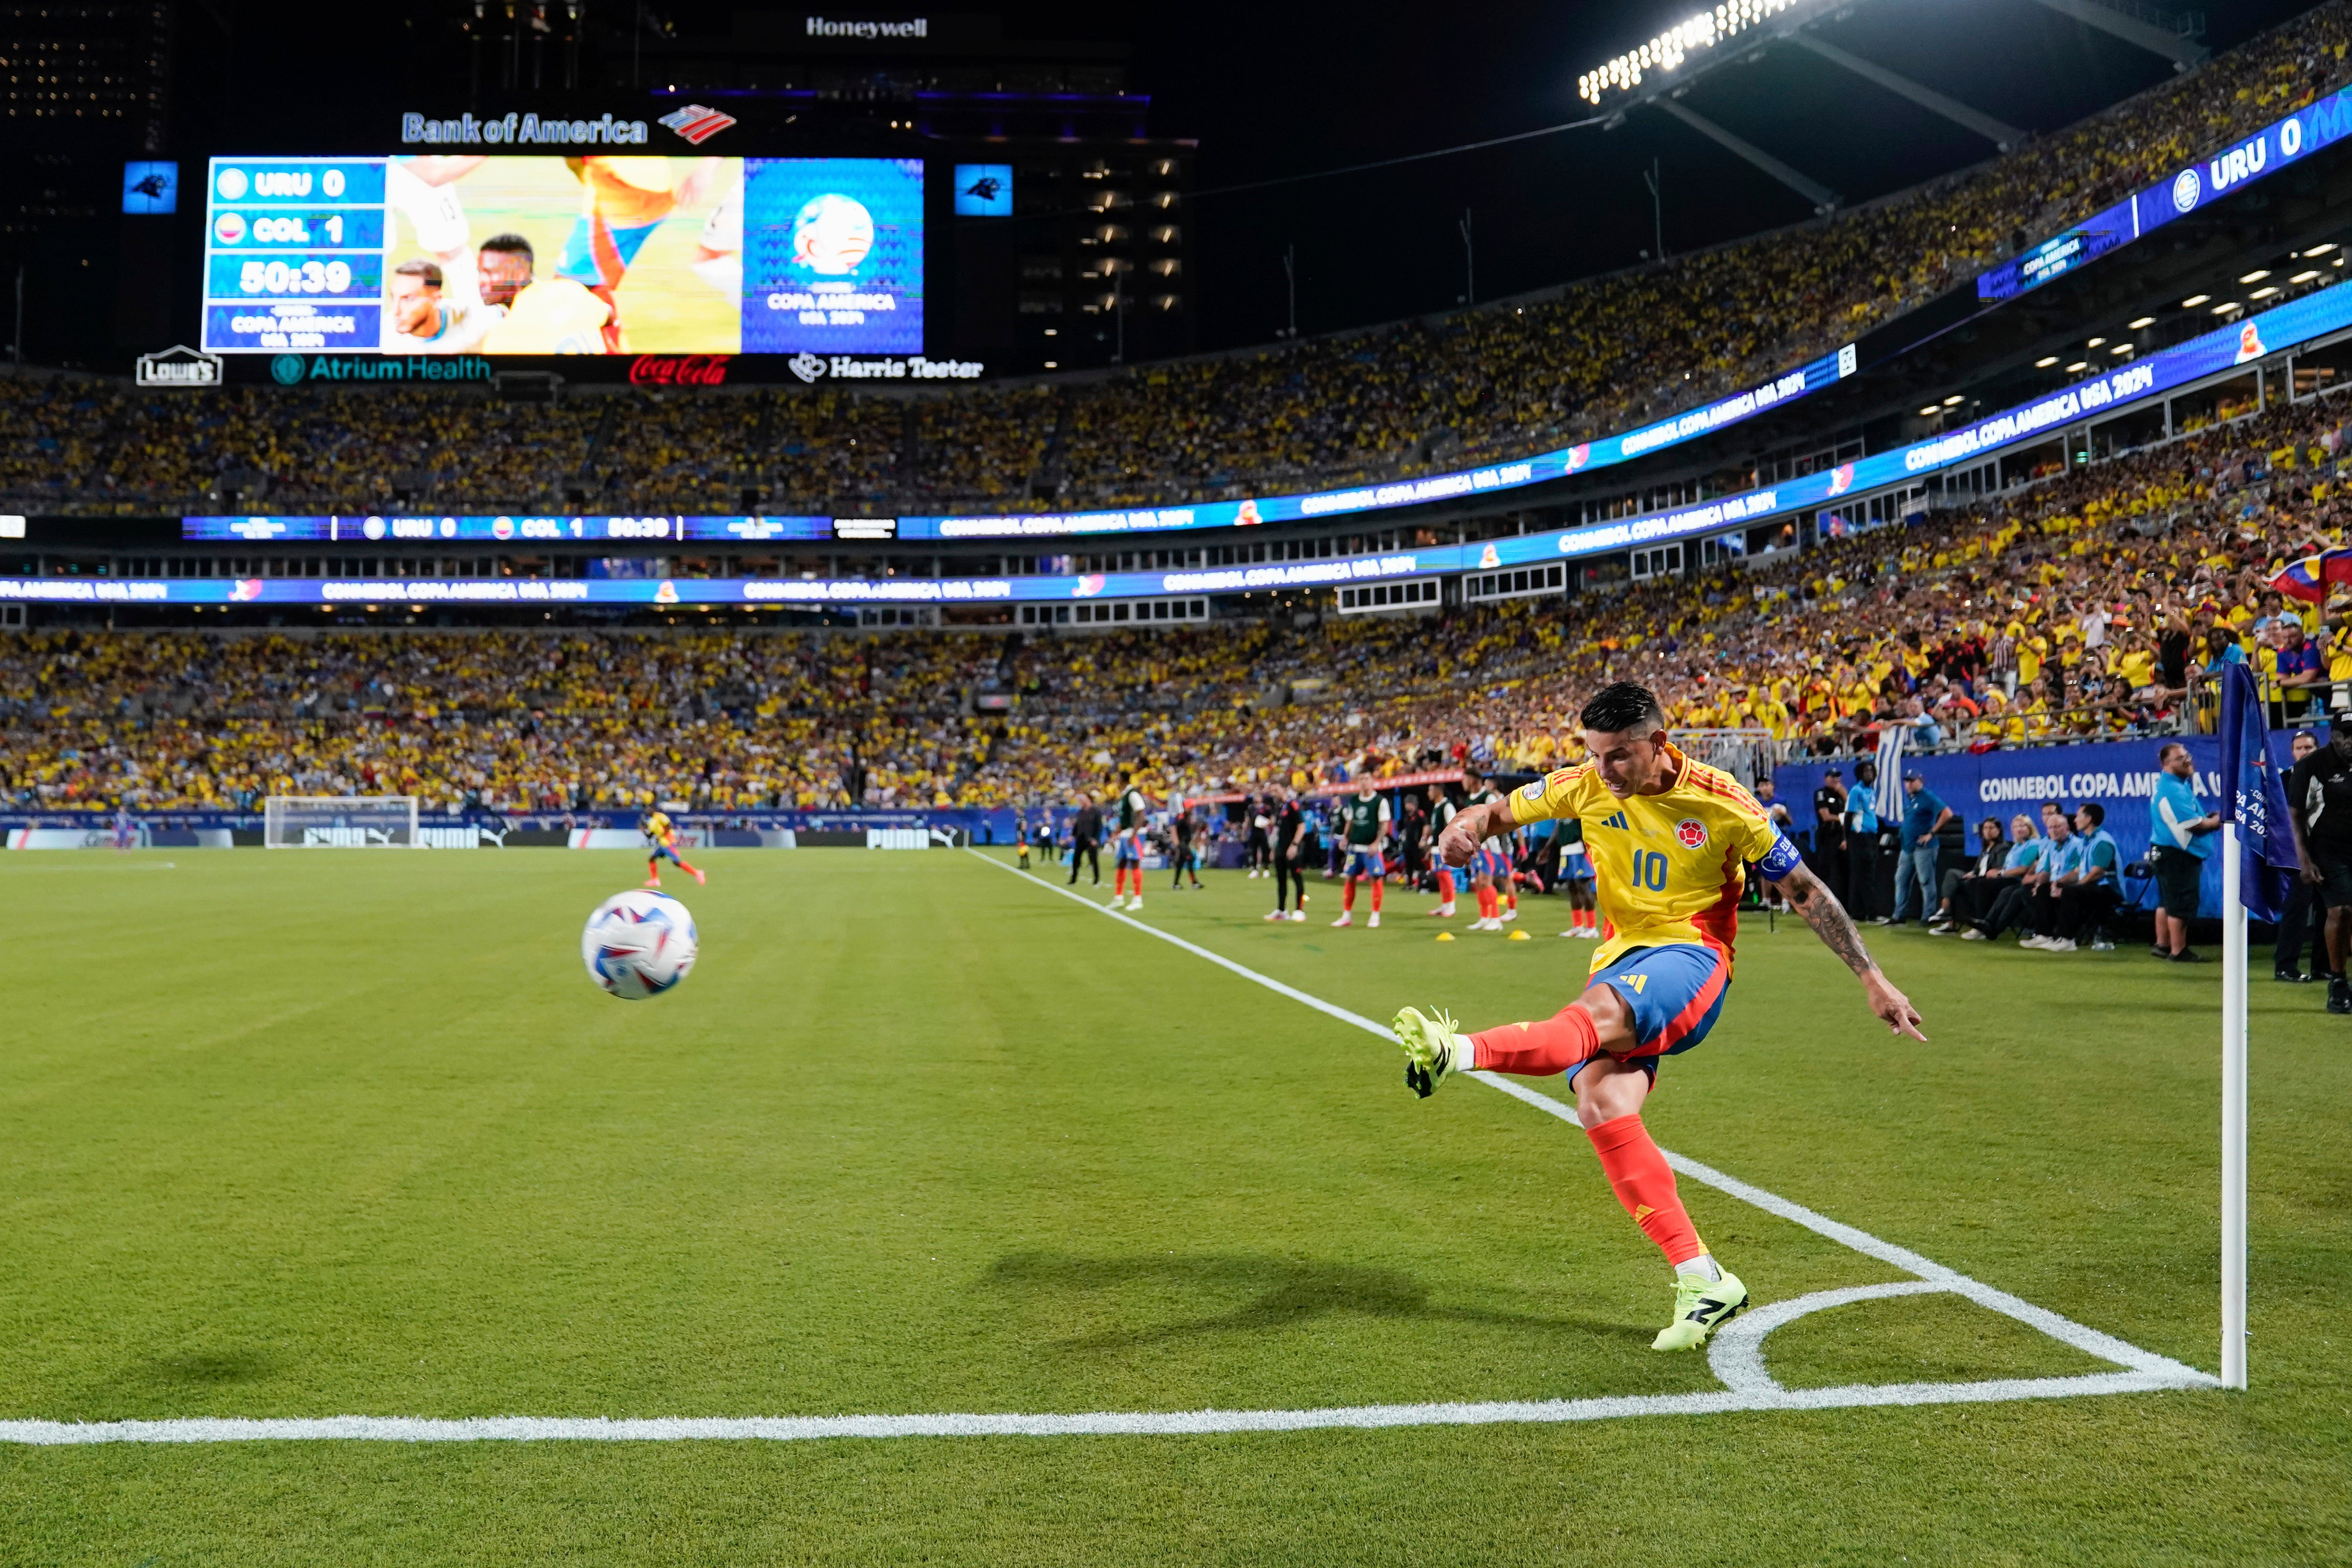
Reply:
x=661, y=844
x=1364, y=818
x=1669, y=839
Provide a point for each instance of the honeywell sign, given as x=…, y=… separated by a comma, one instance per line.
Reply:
x=826, y=28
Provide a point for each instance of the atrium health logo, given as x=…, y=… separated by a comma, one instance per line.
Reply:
x=288, y=370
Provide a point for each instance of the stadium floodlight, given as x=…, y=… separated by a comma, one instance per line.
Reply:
x=2194, y=301
x=2225, y=307
x=2321, y=249
x=339, y=822
x=1667, y=51
x=1953, y=401
x=2304, y=277
x=2078, y=367
x=2264, y=293
x=1930, y=411
x=2256, y=276
x=2045, y=362
x=2150, y=321
x=2094, y=342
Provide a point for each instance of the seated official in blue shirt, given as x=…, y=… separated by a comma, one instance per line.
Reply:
x=1974, y=899
x=2082, y=891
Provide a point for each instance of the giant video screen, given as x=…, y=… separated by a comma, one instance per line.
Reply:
x=541, y=254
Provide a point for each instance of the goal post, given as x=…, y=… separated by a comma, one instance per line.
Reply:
x=339, y=822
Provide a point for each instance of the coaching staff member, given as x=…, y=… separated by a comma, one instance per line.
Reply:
x=2319, y=806
x=1086, y=840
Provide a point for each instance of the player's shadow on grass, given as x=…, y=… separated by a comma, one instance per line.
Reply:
x=1283, y=1292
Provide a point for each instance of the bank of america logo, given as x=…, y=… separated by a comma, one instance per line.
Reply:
x=696, y=123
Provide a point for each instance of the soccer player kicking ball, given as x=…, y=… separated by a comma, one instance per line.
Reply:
x=661, y=840
x=1669, y=839
x=1364, y=818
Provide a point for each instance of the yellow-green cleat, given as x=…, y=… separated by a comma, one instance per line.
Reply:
x=1701, y=1307
x=1434, y=1050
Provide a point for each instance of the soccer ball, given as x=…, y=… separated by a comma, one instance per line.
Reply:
x=638, y=943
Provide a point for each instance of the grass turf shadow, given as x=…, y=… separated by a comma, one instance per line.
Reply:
x=1282, y=1293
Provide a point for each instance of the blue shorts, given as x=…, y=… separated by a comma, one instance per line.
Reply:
x=1128, y=851
x=662, y=852
x=1365, y=862
x=1490, y=863
x=1676, y=993
x=1575, y=868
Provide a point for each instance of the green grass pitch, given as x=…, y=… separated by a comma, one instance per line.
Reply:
x=352, y=1134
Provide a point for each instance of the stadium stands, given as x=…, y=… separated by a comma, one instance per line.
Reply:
x=2107, y=583
x=1572, y=362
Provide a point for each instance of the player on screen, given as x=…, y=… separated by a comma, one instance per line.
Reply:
x=623, y=201
x=534, y=315
x=424, y=192
x=1671, y=838
x=1364, y=824
x=661, y=841
x=1126, y=842
x=421, y=316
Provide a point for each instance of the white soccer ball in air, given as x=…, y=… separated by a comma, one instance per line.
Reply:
x=638, y=943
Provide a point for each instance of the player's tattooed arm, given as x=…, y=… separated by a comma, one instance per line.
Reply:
x=1821, y=910
x=1812, y=898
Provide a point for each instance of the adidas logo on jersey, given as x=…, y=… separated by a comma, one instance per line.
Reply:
x=1615, y=819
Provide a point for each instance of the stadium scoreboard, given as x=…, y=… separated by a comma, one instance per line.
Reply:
x=294, y=253
x=608, y=252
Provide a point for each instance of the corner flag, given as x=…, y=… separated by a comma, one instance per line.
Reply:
x=2254, y=799
x=2254, y=824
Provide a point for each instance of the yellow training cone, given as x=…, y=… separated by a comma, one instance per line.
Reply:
x=1445, y=936
x=1519, y=936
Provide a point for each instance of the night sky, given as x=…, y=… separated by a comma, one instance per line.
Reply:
x=1272, y=90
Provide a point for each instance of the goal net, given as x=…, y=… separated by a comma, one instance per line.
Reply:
x=339, y=822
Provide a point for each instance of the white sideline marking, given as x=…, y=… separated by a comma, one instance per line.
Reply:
x=1735, y=1355
x=1097, y=1424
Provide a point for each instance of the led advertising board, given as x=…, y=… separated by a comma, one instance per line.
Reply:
x=2269, y=150
x=2286, y=326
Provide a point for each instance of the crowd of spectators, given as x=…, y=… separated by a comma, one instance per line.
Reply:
x=2093, y=604
x=1572, y=362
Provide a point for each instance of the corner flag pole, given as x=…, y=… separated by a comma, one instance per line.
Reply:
x=2233, y=1111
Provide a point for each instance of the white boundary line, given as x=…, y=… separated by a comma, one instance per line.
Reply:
x=1735, y=1354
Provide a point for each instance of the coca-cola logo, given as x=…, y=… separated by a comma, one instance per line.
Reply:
x=679, y=370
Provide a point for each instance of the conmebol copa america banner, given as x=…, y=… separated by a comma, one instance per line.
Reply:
x=2285, y=326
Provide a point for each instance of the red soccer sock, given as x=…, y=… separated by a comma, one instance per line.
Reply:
x=1565, y=1039
x=1348, y=897
x=1645, y=1184
x=689, y=870
x=1511, y=899
x=1376, y=895
x=1446, y=887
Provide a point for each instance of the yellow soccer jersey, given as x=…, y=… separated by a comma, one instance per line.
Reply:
x=1667, y=868
x=658, y=830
